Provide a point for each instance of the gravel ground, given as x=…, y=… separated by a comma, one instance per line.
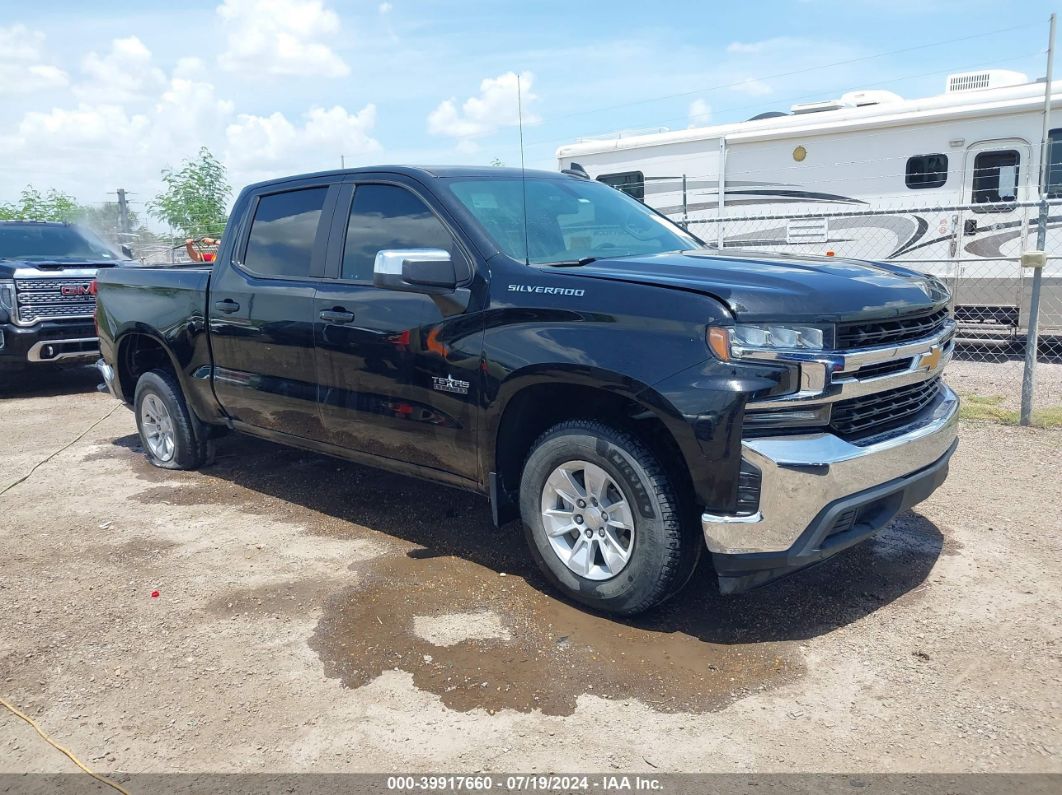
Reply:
x=316, y=615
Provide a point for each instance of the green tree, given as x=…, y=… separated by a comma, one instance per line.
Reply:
x=33, y=205
x=195, y=197
x=106, y=218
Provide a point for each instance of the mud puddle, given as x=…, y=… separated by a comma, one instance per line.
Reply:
x=481, y=640
x=438, y=606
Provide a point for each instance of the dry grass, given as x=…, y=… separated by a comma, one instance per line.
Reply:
x=989, y=408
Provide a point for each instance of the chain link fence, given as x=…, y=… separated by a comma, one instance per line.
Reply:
x=975, y=249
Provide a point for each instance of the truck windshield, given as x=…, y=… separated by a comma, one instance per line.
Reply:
x=52, y=243
x=568, y=220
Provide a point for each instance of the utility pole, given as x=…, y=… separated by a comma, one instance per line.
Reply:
x=123, y=213
x=342, y=161
x=1032, y=339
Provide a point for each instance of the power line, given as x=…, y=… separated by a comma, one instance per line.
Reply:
x=792, y=97
x=805, y=70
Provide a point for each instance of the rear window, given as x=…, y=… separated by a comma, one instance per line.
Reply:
x=630, y=182
x=53, y=244
x=283, y=232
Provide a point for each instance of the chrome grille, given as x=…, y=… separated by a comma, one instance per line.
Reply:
x=43, y=299
x=882, y=410
x=867, y=334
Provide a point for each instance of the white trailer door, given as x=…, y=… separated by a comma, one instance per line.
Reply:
x=998, y=178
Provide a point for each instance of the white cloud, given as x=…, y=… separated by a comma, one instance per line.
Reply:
x=385, y=8
x=493, y=108
x=700, y=113
x=753, y=87
x=125, y=73
x=280, y=37
x=22, y=67
x=274, y=144
x=91, y=125
x=761, y=47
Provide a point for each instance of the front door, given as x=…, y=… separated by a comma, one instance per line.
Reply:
x=398, y=374
x=262, y=315
x=999, y=181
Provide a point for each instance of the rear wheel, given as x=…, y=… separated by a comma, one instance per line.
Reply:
x=603, y=519
x=168, y=431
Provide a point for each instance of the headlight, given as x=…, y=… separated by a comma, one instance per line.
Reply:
x=734, y=342
x=7, y=298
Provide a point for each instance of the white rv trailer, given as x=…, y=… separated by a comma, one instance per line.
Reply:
x=946, y=185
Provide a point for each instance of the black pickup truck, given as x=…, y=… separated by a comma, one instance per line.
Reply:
x=47, y=298
x=549, y=342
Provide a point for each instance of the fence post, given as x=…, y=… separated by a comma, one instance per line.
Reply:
x=685, y=213
x=1032, y=338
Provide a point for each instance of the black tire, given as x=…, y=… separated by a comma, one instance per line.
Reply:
x=664, y=548
x=191, y=446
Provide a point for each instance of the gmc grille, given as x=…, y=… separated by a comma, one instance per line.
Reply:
x=883, y=410
x=43, y=299
x=852, y=336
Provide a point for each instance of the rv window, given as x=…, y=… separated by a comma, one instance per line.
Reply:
x=995, y=180
x=630, y=182
x=926, y=171
x=1054, y=168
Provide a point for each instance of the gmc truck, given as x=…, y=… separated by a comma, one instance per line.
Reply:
x=596, y=371
x=47, y=296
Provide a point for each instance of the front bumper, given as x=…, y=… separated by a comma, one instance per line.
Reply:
x=820, y=494
x=48, y=342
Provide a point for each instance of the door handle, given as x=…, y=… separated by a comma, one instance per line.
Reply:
x=337, y=315
x=228, y=306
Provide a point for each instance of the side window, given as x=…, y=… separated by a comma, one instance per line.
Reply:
x=283, y=231
x=1054, y=164
x=995, y=179
x=926, y=171
x=388, y=216
x=630, y=182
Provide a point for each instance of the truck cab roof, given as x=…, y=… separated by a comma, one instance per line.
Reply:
x=424, y=173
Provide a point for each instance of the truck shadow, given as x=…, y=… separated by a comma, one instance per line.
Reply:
x=49, y=382
x=331, y=497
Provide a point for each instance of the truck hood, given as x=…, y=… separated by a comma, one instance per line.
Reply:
x=757, y=287
x=8, y=267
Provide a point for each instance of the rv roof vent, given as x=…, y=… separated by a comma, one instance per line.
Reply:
x=986, y=78
x=863, y=98
x=819, y=107
x=771, y=114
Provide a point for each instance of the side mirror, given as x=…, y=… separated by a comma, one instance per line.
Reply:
x=416, y=270
x=127, y=251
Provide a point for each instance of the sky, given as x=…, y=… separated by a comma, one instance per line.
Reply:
x=102, y=94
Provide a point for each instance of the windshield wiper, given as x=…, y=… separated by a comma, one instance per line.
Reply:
x=571, y=263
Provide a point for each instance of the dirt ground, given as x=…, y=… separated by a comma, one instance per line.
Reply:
x=316, y=615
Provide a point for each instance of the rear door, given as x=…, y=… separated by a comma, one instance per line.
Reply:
x=393, y=383
x=262, y=312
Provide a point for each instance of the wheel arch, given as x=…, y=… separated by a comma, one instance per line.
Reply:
x=536, y=398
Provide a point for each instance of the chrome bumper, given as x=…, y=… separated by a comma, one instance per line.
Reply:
x=107, y=374
x=803, y=475
x=53, y=350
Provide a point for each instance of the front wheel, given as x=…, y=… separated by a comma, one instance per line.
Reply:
x=167, y=427
x=603, y=519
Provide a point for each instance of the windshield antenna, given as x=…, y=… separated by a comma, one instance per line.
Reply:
x=523, y=170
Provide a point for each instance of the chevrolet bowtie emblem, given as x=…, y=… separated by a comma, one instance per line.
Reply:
x=931, y=359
